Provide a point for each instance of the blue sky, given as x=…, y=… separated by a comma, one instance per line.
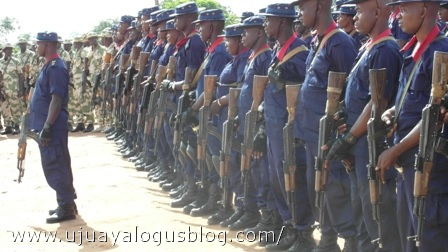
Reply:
x=79, y=16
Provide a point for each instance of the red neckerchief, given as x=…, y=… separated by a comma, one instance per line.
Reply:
x=159, y=42
x=418, y=53
x=52, y=57
x=245, y=49
x=394, y=15
x=281, y=53
x=332, y=26
x=150, y=35
x=259, y=49
x=215, y=43
x=184, y=40
x=385, y=33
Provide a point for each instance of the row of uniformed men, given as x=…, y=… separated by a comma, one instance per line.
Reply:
x=266, y=204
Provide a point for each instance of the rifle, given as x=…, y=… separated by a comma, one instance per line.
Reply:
x=336, y=83
x=143, y=58
x=84, y=80
x=119, y=78
x=105, y=85
x=204, y=114
x=151, y=112
x=96, y=84
x=21, y=152
x=376, y=129
x=428, y=136
x=162, y=101
x=182, y=105
x=289, y=164
x=27, y=79
x=228, y=135
x=247, y=146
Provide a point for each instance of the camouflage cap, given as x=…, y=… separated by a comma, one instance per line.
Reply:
x=22, y=40
x=91, y=34
x=78, y=40
x=60, y=39
x=106, y=33
x=7, y=45
x=67, y=42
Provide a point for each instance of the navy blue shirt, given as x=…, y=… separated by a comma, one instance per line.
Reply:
x=415, y=100
x=191, y=54
x=169, y=50
x=338, y=55
x=216, y=61
x=385, y=54
x=149, y=43
x=292, y=71
x=258, y=66
x=359, y=39
x=53, y=79
x=232, y=73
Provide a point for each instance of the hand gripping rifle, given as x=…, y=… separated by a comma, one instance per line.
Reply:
x=152, y=107
x=228, y=135
x=204, y=114
x=21, y=152
x=336, y=83
x=182, y=105
x=162, y=101
x=376, y=138
x=247, y=146
x=289, y=164
x=428, y=136
x=129, y=83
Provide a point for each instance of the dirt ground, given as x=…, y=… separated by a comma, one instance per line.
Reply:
x=118, y=208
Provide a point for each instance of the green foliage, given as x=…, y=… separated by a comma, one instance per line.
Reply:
x=8, y=25
x=231, y=18
x=103, y=24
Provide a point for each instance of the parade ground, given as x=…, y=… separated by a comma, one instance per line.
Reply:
x=118, y=208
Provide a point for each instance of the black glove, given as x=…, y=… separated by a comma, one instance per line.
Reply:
x=189, y=118
x=87, y=72
x=260, y=141
x=340, y=148
x=275, y=76
x=166, y=86
x=45, y=135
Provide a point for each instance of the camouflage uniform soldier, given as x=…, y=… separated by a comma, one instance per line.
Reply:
x=95, y=61
x=12, y=72
x=67, y=45
x=109, y=45
x=25, y=55
x=81, y=97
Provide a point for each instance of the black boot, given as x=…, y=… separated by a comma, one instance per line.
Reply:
x=305, y=242
x=350, y=244
x=79, y=127
x=214, y=195
x=328, y=243
x=189, y=196
x=223, y=214
x=16, y=129
x=288, y=238
x=266, y=222
x=249, y=219
x=170, y=186
x=89, y=128
x=239, y=212
x=200, y=200
x=53, y=211
x=273, y=232
x=6, y=131
x=62, y=213
x=69, y=127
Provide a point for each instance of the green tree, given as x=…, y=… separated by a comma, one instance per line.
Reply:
x=104, y=24
x=8, y=25
x=231, y=18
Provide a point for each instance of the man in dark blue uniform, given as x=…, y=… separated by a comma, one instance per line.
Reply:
x=190, y=52
x=380, y=51
x=331, y=50
x=287, y=68
x=418, y=18
x=345, y=22
x=49, y=115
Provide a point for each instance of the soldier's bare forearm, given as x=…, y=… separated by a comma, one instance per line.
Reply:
x=54, y=109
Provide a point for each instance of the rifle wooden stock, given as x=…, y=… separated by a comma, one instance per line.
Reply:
x=336, y=83
x=259, y=85
x=289, y=163
x=143, y=59
x=124, y=58
x=135, y=52
x=428, y=137
x=228, y=134
x=107, y=58
x=377, y=79
x=152, y=74
x=171, y=68
x=21, y=151
x=204, y=112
